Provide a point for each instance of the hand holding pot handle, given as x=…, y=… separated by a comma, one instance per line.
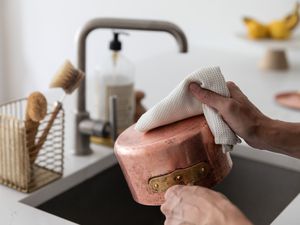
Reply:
x=194, y=205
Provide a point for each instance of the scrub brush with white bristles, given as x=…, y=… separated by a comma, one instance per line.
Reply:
x=68, y=78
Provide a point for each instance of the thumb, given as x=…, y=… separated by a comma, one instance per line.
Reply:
x=208, y=97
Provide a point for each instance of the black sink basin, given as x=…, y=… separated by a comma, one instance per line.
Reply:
x=104, y=199
x=260, y=190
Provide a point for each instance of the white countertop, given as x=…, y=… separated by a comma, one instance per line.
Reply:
x=18, y=208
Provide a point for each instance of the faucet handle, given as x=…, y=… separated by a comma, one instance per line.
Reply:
x=113, y=117
x=100, y=128
x=96, y=128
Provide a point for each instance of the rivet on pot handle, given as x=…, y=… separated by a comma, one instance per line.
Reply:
x=186, y=176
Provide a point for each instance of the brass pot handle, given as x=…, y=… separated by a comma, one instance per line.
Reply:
x=186, y=176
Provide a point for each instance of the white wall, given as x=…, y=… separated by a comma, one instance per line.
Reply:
x=39, y=35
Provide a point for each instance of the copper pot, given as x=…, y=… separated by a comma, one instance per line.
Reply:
x=179, y=153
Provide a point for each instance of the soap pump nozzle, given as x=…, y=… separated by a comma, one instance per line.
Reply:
x=116, y=45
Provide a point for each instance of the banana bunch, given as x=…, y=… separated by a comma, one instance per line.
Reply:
x=277, y=29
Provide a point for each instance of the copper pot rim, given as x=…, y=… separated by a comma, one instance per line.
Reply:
x=189, y=132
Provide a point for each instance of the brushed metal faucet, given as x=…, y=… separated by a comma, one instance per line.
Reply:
x=84, y=124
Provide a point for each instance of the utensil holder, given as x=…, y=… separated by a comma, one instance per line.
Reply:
x=16, y=170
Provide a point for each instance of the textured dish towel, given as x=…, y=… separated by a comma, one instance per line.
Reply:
x=181, y=104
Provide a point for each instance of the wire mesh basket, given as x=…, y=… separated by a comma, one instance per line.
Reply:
x=22, y=168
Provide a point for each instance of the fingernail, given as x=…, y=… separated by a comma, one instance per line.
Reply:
x=194, y=87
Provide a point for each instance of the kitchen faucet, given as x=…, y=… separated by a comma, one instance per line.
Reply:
x=85, y=126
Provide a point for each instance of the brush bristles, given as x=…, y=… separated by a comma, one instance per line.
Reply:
x=36, y=107
x=67, y=78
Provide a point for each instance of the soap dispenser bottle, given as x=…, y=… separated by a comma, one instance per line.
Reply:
x=116, y=78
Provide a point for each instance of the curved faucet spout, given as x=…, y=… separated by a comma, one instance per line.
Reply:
x=114, y=23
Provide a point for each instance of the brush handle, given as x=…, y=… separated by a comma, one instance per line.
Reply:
x=31, y=128
x=31, y=131
x=46, y=131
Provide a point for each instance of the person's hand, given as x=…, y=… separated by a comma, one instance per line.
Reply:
x=237, y=111
x=194, y=205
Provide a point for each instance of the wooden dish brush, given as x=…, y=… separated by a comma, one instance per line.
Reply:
x=68, y=78
x=36, y=111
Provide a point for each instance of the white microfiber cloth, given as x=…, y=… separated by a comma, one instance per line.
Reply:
x=181, y=104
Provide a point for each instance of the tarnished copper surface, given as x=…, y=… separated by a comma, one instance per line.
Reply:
x=163, y=150
x=187, y=176
x=289, y=99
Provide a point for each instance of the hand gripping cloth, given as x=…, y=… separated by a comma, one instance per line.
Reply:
x=181, y=104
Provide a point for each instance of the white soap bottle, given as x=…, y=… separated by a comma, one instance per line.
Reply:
x=116, y=78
